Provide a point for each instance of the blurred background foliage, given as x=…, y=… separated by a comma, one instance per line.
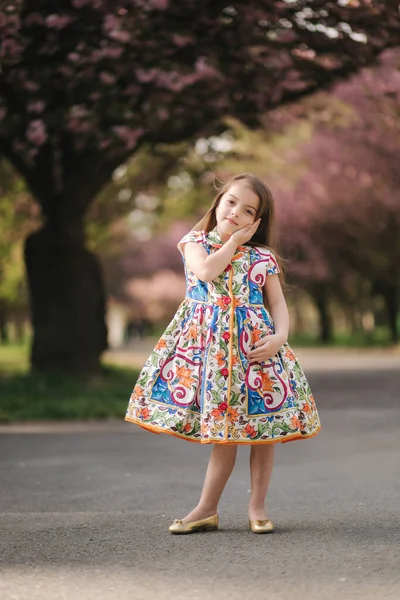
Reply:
x=331, y=160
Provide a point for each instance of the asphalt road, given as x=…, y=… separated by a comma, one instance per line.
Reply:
x=84, y=509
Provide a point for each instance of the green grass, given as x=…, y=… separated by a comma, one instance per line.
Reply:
x=34, y=397
x=13, y=359
x=380, y=338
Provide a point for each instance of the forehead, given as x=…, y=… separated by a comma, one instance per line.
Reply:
x=244, y=193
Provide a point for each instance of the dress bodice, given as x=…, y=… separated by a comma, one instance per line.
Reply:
x=241, y=282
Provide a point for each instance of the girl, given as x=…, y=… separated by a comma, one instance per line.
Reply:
x=223, y=373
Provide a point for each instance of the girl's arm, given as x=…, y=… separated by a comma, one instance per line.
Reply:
x=207, y=267
x=277, y=306
x=269, y=345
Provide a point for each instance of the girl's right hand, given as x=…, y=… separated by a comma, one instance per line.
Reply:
x=243, y=235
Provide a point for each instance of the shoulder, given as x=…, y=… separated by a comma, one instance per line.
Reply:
x=198, y=237
x=267, y=256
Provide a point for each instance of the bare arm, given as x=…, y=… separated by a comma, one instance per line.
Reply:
x=278, y=307
x=269, y=345
x=208, y=266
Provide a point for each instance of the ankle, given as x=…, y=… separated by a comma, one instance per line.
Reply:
x=198, y=513
x=207, y=509
x=257, y=511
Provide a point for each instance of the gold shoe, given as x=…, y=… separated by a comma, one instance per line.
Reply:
x=208, y=524
x=261, y=526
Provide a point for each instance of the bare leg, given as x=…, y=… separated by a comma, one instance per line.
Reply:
x=261, y=464
x=220, y=466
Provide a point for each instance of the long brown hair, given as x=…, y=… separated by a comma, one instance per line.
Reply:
x=265, y=235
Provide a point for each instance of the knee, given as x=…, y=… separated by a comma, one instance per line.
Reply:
x=263, y=450
x=225, y=449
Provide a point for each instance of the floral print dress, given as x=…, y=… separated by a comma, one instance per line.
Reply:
x=198, y=383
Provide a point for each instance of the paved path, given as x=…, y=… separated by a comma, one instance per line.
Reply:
x=313, y=359
x=84, y=509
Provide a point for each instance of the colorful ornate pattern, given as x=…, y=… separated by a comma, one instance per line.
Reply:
x=198, y=383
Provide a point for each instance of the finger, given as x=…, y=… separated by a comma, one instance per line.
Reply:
x=258, y=359
x=265, y=342
x=257, y=356
x=252, y=225
x=260, y=350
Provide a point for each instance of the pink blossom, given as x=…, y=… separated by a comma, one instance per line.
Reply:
x=205, y=69
x=58, y=21
x=74, y=57
x=120, y=35
x=107, y=78
x=132, y=89
x=181, y=40
x=160, y=4
x=78, y=111
x=105, y=144
x=79, y=3
x=146, y=76
x=36, y=132
x=112, y=52
x=32, y=151
x=110, y=23
x=31, y=86
x=37, y=106
x=65, y=71
x=10, y=47
x=78, y=126
x=18, y=146
x=128, y=135
x=34, y=18
x=162, y=113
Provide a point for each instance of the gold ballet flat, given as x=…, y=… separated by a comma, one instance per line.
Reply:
x=209, y=524
x=261, y=526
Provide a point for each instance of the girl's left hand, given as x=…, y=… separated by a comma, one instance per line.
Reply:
x=265, y=348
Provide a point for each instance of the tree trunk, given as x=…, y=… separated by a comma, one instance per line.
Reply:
x=325, y=321
x=67, y=302
x=391, y=299
x=3, y=323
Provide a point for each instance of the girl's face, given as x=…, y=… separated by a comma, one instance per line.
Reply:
x=236, y=209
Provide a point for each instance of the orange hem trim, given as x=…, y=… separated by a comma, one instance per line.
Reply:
x=157, y=431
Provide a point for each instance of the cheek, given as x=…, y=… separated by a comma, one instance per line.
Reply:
x=222, y=209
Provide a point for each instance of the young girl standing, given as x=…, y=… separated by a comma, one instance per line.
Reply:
x=223, y=373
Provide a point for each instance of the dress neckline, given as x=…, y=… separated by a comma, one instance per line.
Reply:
x=214, y=239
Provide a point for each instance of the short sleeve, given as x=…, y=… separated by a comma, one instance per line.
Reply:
x=272, y=264
x=193, y=236
x=270, y=261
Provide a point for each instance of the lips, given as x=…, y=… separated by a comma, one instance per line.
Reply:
x=230, y=221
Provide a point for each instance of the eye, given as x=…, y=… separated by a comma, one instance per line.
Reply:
x=250, y=212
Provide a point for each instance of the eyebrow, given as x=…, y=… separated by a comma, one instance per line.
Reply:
x=249, y=205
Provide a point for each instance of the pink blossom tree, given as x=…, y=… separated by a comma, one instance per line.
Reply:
x=343, y=215
x=86, y=83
